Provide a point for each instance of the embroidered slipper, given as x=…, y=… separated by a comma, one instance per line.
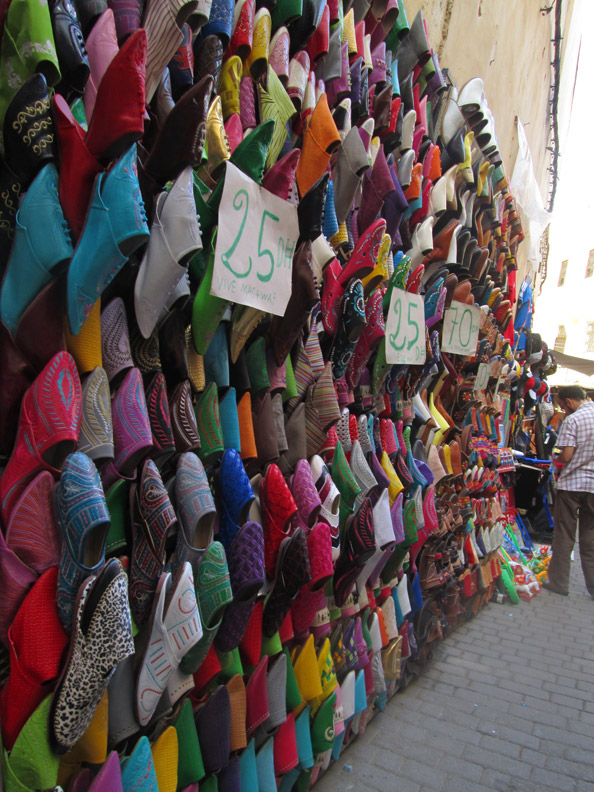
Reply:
x=213, y=593
x=208, y=421
x=357, y=547
x=160, y=419
x=292, y=572
x=138, y=770
x=96, y=432
x=173, y=629
x=132, y=436
x=48, y=428
x=84, y=522
x=116, y=353
x=196, y=510
x=153, y=519
x=93, y=654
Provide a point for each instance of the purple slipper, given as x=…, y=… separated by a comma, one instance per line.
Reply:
x=115, y=341
x=306, y=496
x=132, y=435
x=109, y=778
x=246, y=571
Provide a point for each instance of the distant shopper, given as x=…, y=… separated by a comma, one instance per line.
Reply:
x=575, y=491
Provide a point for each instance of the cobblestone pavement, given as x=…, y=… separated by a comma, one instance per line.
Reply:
x=507, y=704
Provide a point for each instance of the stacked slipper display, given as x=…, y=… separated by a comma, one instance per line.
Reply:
x=228, y=535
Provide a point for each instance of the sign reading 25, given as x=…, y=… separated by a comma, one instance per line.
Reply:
x=256, y=240
x=405, y=329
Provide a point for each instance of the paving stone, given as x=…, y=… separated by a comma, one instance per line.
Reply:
x=507, y=705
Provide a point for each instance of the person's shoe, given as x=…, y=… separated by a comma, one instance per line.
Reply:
x=553, y=589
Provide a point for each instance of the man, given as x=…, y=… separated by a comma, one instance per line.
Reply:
x=575, y=491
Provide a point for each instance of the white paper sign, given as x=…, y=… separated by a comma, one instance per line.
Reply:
x=482, y=377
x=256, y=240
x=460, y=329
x=405, y=329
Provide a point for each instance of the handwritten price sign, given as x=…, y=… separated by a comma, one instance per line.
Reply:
x=256, y=241
x=405, y=329
x=460, y=329
x=482, y=377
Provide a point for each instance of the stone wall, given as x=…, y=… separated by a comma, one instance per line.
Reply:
x=508, y=44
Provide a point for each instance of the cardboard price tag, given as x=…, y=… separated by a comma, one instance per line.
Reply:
x=405, y=329
x=256, y=240
x=482, y=377
x=461, y=329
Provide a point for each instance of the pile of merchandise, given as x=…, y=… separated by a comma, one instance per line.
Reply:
x=255, y=358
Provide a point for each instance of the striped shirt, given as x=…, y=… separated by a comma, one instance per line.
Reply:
x=577, y=431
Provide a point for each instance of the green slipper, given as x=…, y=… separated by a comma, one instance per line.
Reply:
x=275, y=107
x=207, y=310
x=117, y=499
x=255, y=358
x=213, y=594
x=322, y=727
x=190, y=767
x=231, y=664
x=290, y=391
x=285, y=12
x=208, y=420
x=32, y=764
x=345, y=481
x=293, y=693
x=271, y=646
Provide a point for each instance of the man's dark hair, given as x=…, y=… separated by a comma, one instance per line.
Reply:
x=572, y=392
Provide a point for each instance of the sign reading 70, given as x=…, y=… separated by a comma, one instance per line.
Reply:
x=461, y=329
x=405, y=329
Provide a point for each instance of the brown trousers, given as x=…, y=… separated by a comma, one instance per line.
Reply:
x=567, y=505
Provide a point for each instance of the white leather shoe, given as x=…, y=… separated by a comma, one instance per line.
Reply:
x=452, y=122
x=471, y=96
x=437, y=197
x=408, y=130
x=405, y=166
x=175, y=237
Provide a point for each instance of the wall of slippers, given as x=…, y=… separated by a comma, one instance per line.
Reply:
x=258, y=277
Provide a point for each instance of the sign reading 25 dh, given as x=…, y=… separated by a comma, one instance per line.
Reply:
x=461, y=329
x=405, y=329
x=256, y=240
